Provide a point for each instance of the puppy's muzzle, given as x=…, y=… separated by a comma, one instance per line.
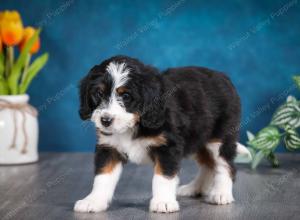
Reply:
x=106, y=120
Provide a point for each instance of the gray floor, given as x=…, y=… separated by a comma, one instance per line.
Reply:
x=48, y=190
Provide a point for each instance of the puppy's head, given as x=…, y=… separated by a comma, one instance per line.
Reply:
x=120, y=94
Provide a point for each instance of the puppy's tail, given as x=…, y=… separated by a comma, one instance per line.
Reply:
x=242, y=152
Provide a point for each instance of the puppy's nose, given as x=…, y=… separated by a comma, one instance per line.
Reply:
x=106, y=121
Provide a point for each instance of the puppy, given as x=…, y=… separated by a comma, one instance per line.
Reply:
x=145, y=116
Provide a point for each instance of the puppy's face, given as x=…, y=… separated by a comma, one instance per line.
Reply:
x=118, y=95
x=114, y=100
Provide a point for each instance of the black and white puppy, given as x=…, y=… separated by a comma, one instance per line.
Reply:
x=145, y=116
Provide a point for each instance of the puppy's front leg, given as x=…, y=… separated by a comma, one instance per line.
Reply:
x=108, y=167
x=164, y=184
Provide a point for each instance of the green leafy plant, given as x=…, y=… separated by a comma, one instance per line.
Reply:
x=283, y=128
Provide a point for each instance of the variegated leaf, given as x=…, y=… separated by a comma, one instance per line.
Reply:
x=292, y=140
x=250, y=136
x=297, y=81
x=267, y=139
x=291, y=98
x=287, y=115
x=257, y=158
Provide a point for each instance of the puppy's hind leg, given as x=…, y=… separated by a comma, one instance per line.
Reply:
x=220, y=190
x=190, y=189
x=204, y=177
x=198, y=185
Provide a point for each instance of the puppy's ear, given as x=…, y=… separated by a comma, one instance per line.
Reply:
x=153, y=114
x=85, y=110
x=87, y=104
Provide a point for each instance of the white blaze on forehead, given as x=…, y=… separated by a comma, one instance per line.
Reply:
x=118, y=72
x=115, y=108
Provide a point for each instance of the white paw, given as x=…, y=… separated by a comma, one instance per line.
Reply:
x=157, y=205
x=219, y=198
x=187, y=190
x=90, y=205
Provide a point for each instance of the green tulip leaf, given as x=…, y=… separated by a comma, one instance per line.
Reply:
x=1, y=66
x=3, y=84
x=32, y=71
x=3, y=87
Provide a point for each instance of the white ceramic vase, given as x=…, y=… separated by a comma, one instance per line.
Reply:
x=18, y=130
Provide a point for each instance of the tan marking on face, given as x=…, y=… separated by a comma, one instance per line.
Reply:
x=121, y=90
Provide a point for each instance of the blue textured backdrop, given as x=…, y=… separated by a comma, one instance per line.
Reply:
x=256, y=42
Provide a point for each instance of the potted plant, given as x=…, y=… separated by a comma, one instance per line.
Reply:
x=283, y=129
x=18, y=119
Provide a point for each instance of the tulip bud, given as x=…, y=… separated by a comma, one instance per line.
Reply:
x=11, y=28
x=28, y=34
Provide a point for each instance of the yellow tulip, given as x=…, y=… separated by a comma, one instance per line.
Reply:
x=11, y=28
x=28, y=33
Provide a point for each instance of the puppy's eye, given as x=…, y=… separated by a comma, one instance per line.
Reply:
x=126, y=97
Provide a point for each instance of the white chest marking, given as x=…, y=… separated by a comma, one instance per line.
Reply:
x=137, y=150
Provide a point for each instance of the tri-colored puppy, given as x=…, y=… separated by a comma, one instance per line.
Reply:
x=145, y=116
